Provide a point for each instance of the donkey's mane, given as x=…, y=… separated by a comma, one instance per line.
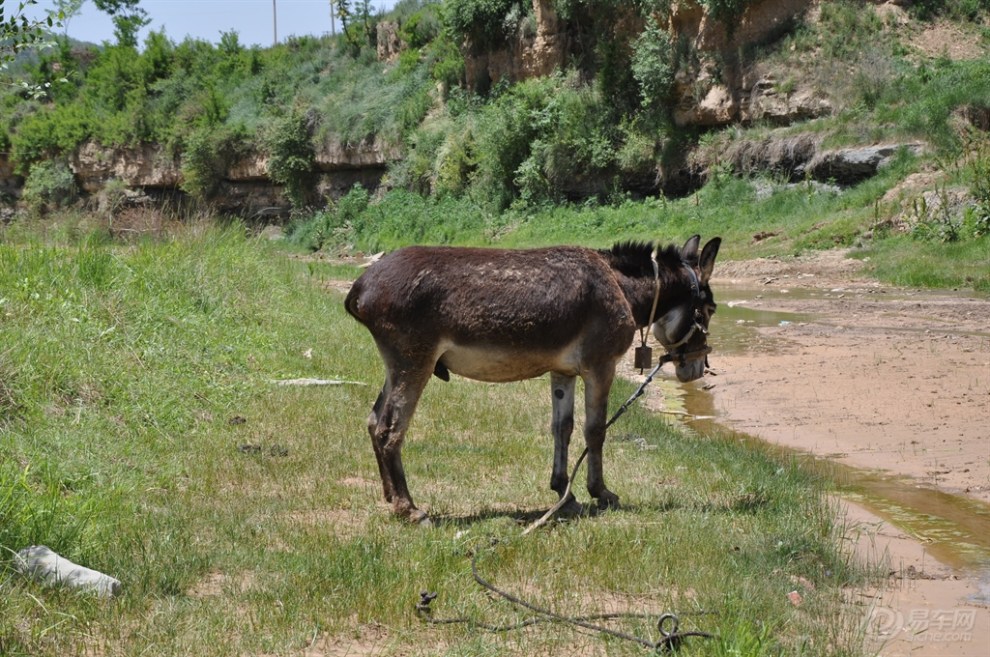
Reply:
x=633, y=258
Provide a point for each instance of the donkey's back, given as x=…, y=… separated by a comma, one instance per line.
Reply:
x=516, y=310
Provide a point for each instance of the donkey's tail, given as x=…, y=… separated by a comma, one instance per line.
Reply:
x=352, y=302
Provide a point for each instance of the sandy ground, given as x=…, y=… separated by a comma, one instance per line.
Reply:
x=891, y=381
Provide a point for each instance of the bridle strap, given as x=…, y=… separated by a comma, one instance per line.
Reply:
x=656, y=297
x=695, y=325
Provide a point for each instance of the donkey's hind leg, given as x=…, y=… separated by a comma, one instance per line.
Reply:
x=392, y=415
x=373, y=421
x=562, y=425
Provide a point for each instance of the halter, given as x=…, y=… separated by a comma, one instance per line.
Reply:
x=696, y=298
x=644, y=353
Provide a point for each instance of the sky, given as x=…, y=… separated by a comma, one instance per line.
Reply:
x=207, y=19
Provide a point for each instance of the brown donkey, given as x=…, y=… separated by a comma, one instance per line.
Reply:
x=507, y=315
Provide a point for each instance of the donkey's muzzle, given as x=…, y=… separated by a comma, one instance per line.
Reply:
x=690, y=365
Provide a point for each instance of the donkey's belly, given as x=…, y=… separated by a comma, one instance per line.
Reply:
x=500, y=364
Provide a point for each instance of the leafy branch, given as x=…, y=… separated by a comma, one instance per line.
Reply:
x=18, y=33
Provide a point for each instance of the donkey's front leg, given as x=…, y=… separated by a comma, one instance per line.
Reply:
x=562, y=425
x=596, y=388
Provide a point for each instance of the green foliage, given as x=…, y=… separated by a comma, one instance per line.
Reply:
x=726, y=11
x=358, y=24
x=924, y=99
x=847, y=28
x=422, y=27
x=291, y=156
x=538, y=141
x=653, y=64
x=335, y=226
x=128, y=19
x=50, y=185
x=208, y=154
x=957, y=9
x=19, y=33
x=48, y=133
x=445, y=61
x=487, y=23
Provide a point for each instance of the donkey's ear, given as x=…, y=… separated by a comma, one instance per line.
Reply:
x=707, y=263
x=689, y=251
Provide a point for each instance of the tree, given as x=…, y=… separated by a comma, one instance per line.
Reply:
x=19, y=33
x=357, y=23
x=67, y=9
x=128, y=19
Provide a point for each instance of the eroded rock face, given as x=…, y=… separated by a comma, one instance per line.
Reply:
x=146, y=166
x=798, y=157
x=714, y=89
x=847, y=166
x=336, y=156
x=711, y=90
x=388, y=45
x=765, y=101
x=525, y=56
x=246, y=187
x=761, y=21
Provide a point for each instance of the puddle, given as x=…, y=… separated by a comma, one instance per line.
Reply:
x=954, y=529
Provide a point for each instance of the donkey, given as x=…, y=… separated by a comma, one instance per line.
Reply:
x=507, y=315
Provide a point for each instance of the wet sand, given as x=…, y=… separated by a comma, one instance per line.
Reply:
x=890, y=382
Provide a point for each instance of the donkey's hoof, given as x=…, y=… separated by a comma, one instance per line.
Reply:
x=571, y=508
x=419, y=517
x=608, y=500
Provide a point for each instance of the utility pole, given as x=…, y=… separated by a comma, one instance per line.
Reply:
x=333, y=22
x=275, y=23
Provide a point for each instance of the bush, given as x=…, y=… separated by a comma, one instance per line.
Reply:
x=652, y=64
x=49, y=186
x=291, y=156
x=49, y=133
x=209, y=152
x=484, y=21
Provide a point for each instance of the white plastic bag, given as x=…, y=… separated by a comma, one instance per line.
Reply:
x=41, y=564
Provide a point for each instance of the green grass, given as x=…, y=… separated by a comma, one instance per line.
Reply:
x=127, y=371
x=910, y=262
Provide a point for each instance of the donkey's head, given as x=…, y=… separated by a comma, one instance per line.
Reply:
x=683, y=329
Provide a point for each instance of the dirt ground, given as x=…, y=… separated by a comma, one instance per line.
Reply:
x=892, y=381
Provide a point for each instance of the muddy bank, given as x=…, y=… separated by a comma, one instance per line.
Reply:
x=811, y=356
x=893, y=385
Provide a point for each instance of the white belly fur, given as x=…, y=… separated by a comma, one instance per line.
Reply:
x=498, y=364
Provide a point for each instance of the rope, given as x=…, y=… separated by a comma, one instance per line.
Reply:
x=566, y=497
x=667, y=624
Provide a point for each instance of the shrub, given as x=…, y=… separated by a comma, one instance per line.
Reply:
x=652, y=64
x=291, y=156
x=48, y=133
x=208, y=154
x=421, y=28
x=50, y=185
x=336, y=225
x=484, y=21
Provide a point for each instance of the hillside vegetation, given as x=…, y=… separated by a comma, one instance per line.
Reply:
x=601, y=140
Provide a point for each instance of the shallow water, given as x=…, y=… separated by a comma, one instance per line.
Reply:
x=955, y=529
